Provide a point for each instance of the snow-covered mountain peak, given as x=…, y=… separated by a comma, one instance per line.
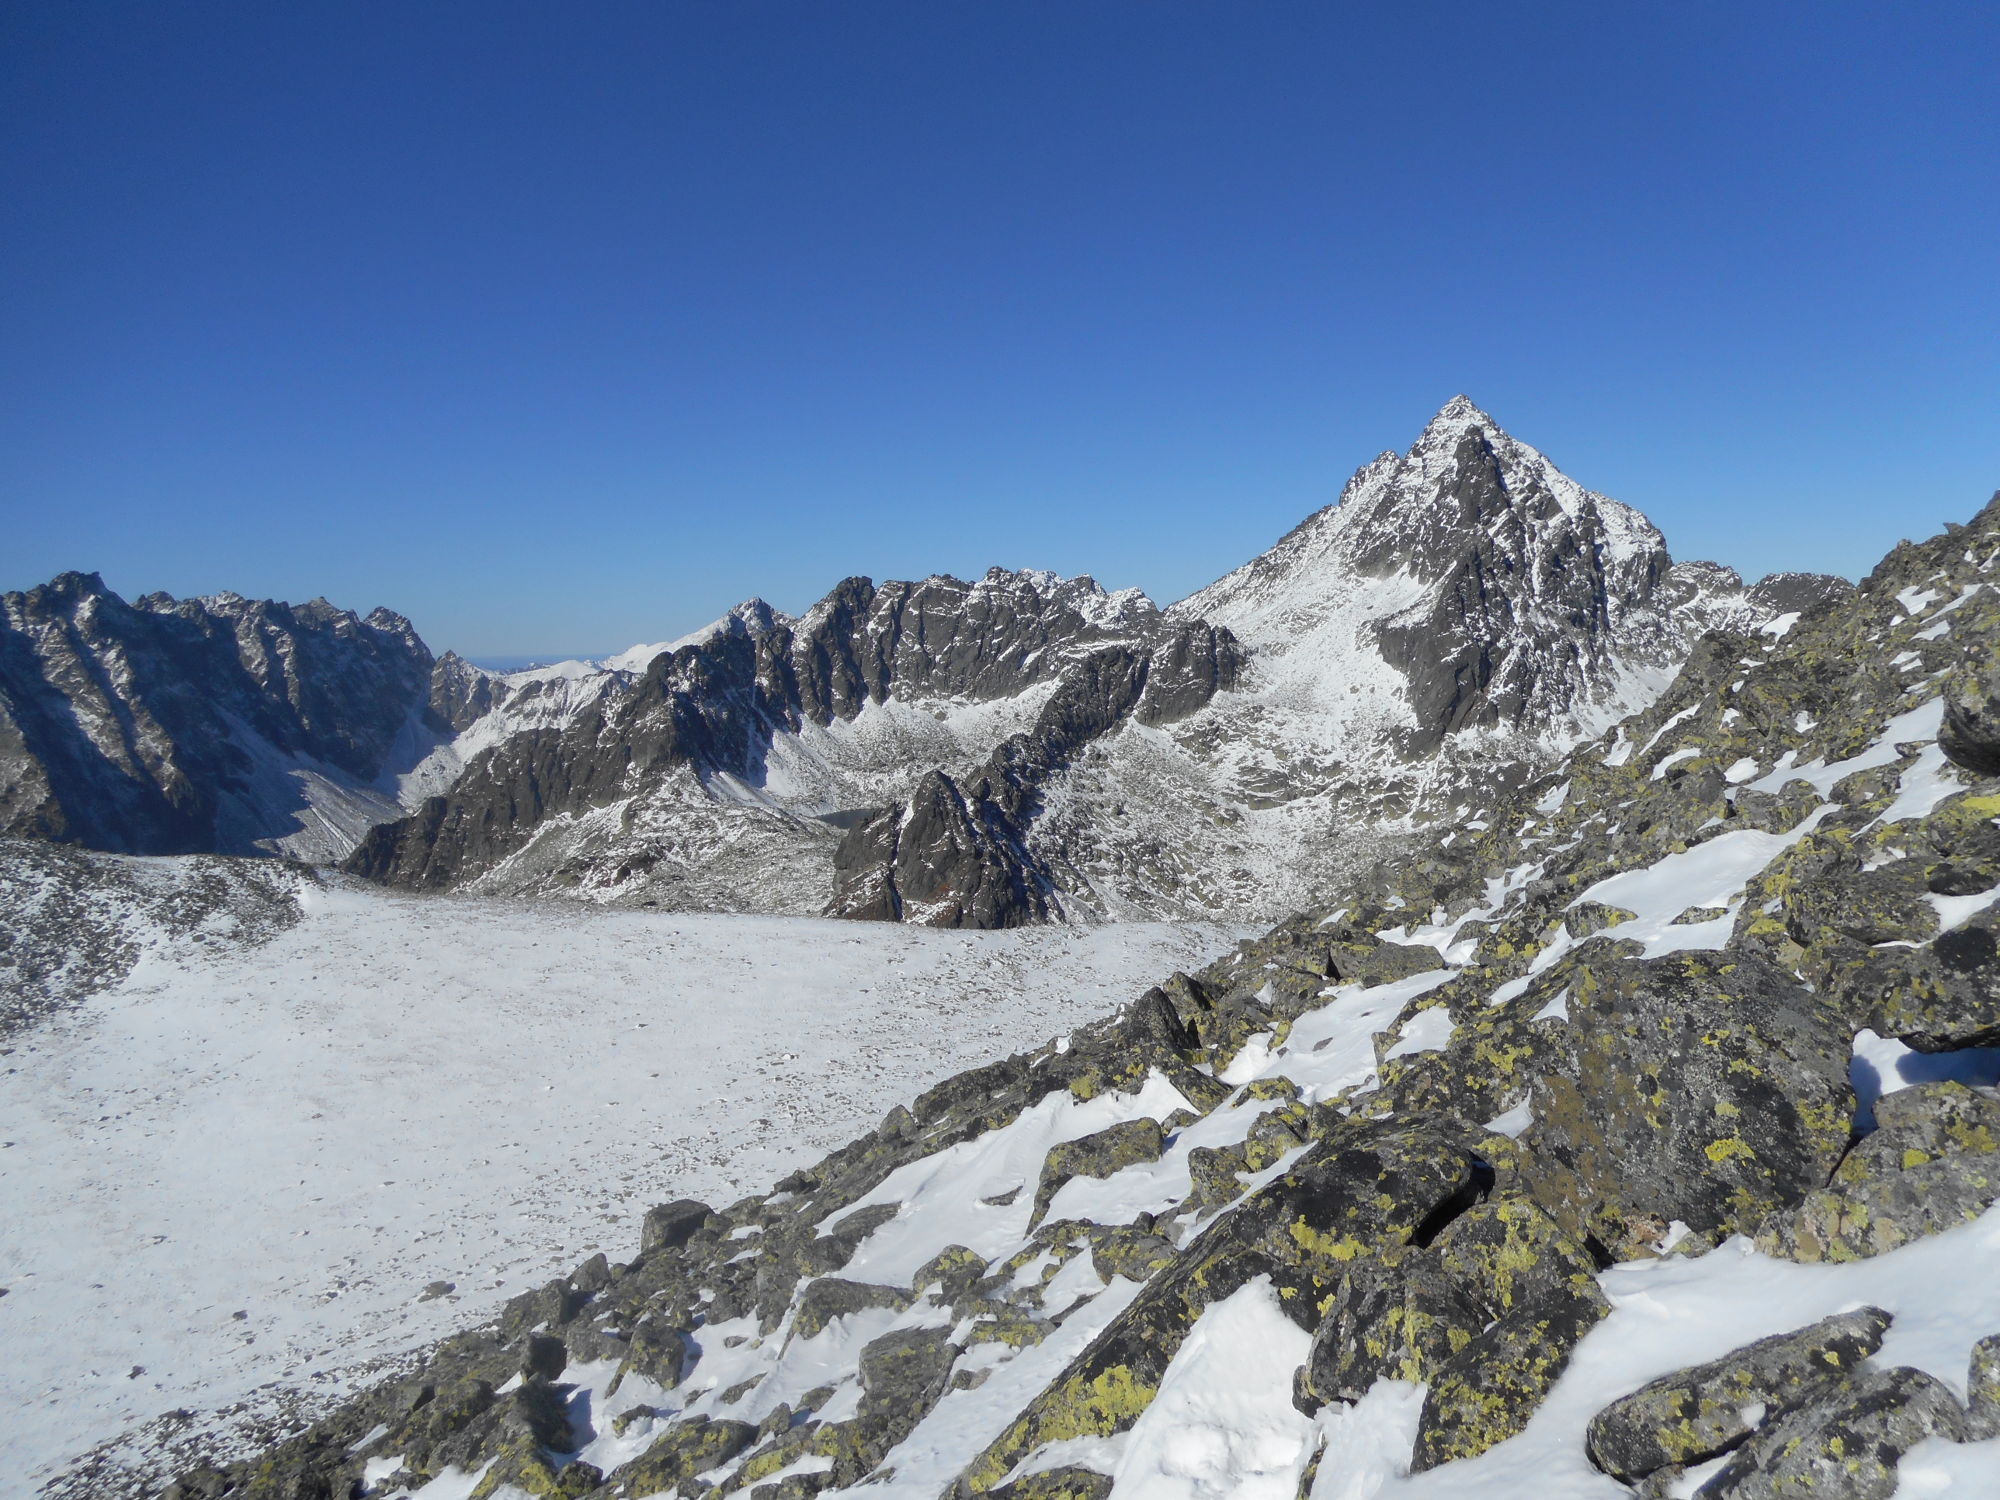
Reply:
x=1466, y=487
x=1467, y=583
x=1457, y=416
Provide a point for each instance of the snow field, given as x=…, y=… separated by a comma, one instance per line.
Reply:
x=237, y=1173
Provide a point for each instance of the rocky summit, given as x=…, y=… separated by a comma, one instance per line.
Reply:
x=1019, y=749
x=1634, y=1131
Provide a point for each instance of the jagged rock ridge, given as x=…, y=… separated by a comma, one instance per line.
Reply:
x=746, y=727
x=221, y=725
x=1022, y=748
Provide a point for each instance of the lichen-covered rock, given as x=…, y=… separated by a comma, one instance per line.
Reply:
x=954, y=1271
x=1099, y=1154
x=543, y=1357
x=1399, y=1316
x=1588, y=918
x=1136, y=1254
x=1860, y=906
x=1921, y=1123
x=1065, y=1483
x=1844, y=1444
x=1370, y=1186
x=1856, y=1220
x=1970, y=735
x=1693, y=1414
x=1364, y=959
x=658, y=1350
x=1982, y=1389
x=1936, y=998
x=672, y=1225
x=689, y=1447
x=521, y=1467
x=831, y=1297
x=1707, y=1088
x=1485, y=1393
x=1932, y=1162
x=902, y=1376
x=441, y=1418
x=1506, y=1251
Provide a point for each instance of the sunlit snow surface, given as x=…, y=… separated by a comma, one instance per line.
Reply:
x=402, y=1090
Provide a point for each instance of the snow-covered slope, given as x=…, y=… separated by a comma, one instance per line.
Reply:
x=231, y=1177
x=1465, y=584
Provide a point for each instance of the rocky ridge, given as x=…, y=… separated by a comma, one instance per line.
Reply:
x=218, y=725
x=704, y=751
x=1716, y=997
x=73, y=922
x=1017, y=749
x=1027, y=747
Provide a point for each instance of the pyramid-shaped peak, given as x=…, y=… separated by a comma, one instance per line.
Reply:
x=1457, y=414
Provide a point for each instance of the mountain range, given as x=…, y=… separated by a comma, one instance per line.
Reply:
x=1017, y=749
x=1591, y=1089
x=1634, y=1139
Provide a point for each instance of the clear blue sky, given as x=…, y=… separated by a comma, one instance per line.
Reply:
x=561, y=326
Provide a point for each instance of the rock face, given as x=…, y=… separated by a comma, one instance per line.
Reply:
x=217, y=725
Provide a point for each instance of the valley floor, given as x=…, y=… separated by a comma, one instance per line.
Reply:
x=232, y=1177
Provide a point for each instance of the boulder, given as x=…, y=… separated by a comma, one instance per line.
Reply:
x=1856, y=1220
x=1394, y=1317
x=1932, y=1162
x=1066, y=1483
x=687, y=1448
x=902, y=1376
x=955, y=1271
x=1937, y=998
x=1588, y=918
x=1506, y=1251
x=657, y=1350
x=1982, y=1386
x=1694, y=1414
x=1134, y=1253
x=1970, y=734
x=1845, y=1443
x=672, y=1225
x=1706, y=1087
x=1486, y=1391
x=1097, y=1155
x=544, y=1357
x=830, y=1297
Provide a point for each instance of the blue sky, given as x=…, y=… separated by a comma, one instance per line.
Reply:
x=559, y=327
